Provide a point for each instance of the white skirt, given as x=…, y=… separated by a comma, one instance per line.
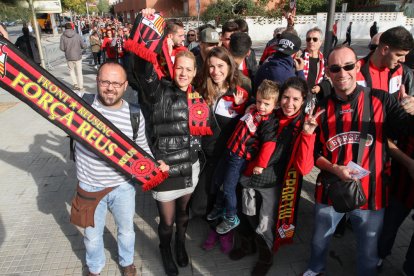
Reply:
x=174, y=194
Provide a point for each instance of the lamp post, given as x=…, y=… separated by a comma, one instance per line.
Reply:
x=328, y=31
x=37, y=33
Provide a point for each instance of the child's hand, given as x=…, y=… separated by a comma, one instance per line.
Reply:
x=316, y=89
x=257, y=170
x=238, y=97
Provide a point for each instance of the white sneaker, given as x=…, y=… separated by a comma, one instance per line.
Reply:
x=96, y=67
x=311, y=273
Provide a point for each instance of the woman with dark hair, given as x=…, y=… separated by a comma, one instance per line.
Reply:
x=257, y=230
x=226, y=100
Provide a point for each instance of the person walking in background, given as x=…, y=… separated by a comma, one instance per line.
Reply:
x=348, y=34
x=27, y=44
x=72, y=44
x=96, y=43
x=373, y=30
x=335, y=33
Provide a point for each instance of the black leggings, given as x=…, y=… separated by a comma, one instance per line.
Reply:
x=97, y=58
x=170, y=212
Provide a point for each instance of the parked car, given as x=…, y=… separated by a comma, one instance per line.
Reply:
x=11, y=23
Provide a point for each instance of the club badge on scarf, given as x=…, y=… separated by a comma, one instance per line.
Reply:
x=61, y=106
x=199, y=114
x=148, y=42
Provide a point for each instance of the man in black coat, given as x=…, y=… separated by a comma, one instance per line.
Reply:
x=27, y=44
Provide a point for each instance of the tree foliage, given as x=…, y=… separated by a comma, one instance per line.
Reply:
x=103, y=6
x=13, y=10
x=224, y=10
x=77, y=6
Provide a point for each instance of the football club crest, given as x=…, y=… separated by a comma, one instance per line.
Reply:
x=3, y=59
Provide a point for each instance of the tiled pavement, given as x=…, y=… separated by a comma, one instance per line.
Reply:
x=38, y=181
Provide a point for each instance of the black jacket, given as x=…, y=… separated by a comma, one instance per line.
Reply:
x=169, y=132
x=27, y=44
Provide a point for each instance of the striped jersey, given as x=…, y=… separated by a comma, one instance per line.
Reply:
x=337, y=140
x=90, y=168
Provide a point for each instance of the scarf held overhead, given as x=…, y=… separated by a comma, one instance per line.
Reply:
x=61, y=106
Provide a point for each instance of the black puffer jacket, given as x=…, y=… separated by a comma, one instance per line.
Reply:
x=170, y=134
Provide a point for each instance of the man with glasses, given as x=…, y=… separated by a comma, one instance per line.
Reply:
x=95, y=175
x=191, y=41
x=314, y=65
x=335, y=143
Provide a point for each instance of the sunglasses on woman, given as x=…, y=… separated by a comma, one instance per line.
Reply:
x=336, y=68
x=315, y=39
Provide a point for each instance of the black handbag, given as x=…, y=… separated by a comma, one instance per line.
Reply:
x=349, y=195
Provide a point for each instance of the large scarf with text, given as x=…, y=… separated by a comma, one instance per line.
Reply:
x=147, y=41
x=288, y=203
x=321, y=66
x=61, y=106
x=198, y=111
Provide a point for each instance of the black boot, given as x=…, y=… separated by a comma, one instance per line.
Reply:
x=265, y=258
x=181, y=255
x=246, y=246
x=167, y=261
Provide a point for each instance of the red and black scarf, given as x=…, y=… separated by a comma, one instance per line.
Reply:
x=147, y=41
x=61, y=106
x=321, y=66
x=289, y=199
x=199, y=114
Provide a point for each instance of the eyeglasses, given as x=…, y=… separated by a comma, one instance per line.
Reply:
x=315, y=39
x=337, y=68
x=105, y=83
x=190, y=34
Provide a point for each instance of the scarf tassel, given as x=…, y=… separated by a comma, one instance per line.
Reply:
x=200, y=131
x=141, y=51
x=154, y=181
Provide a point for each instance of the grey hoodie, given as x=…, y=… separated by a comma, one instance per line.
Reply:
x=72, y=44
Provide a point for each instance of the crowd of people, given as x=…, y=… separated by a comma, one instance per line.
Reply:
x=228, y=130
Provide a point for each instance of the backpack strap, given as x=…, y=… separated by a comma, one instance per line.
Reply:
x=134, y=114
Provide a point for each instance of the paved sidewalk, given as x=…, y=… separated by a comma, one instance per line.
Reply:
x=38, y=181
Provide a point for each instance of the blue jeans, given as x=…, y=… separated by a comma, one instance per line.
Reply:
x=121, y=203
x=367, y=226
x=395, y=215
x=227, y=175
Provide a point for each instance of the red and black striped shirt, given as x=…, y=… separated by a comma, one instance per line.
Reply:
x=337, y=140
x=245, y=143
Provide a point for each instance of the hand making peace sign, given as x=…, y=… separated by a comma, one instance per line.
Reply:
x=311, y=123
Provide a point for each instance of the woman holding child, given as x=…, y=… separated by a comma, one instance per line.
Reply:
x=227, y=100
x=265, y=181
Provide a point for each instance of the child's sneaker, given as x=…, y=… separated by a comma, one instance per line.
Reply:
x=227, y=224
x=226, y=242
x=211, y=240
x=215, y=214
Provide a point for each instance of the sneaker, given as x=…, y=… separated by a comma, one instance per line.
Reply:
x=311, y=273
x=75, y=87
x=215, y=214
x=130, y=270
x=211, y=240
x=228, y=224
x=82, y=90
x=226, y=242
